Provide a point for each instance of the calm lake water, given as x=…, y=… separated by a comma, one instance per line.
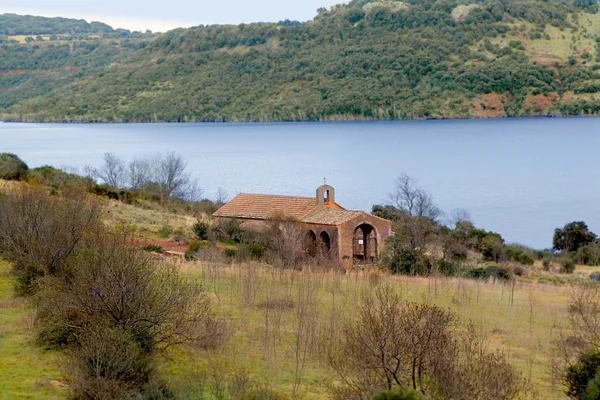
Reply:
x=519, y=177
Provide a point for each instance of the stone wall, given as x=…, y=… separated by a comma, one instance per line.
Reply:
x=346, y=234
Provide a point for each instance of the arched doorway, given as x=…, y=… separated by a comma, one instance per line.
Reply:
x=364, y=244
x=324, y=244
x=310, y=244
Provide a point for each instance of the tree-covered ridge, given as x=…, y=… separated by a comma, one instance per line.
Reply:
x=12, y=24
x=39, y=54
x=367, y=59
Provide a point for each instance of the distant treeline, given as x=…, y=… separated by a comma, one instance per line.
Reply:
x=12, y=24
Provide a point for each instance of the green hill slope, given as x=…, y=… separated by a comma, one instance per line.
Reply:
x=38, y=55
x=365, y=60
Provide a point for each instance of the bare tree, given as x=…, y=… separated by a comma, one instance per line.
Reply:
x=222, y=196
x=412, y=200
x=113, y=172
x=139, y=174
x=457, y=216
x=173, y=178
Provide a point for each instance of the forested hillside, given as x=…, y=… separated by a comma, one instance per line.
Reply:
x=12, y=24
x=362, y=60
x=38, y=55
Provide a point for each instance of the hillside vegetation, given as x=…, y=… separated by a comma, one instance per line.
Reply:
x=362, y=60
x=38, y=55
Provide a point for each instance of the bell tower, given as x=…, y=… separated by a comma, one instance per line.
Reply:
x=325, y=196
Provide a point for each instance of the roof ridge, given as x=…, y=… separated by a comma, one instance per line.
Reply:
x=276, y=195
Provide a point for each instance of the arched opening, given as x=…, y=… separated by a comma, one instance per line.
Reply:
x=364, y=244
x=310, y=244
x=324, y=243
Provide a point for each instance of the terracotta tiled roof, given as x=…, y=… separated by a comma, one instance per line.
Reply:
x=262, y=206
x=329, y=216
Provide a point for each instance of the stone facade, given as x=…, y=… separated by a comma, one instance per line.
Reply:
x=352, y=237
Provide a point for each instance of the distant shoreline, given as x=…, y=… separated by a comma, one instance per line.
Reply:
x=292, y=121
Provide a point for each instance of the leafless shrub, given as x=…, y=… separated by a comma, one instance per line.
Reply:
x=38, y=232
x=109, y=364
x=394, y=344
x=472, y=373
x=305, y=325
x=210, y=255
x=285, y=240
x=250, y=285
x=112, y=280
x=118, y=309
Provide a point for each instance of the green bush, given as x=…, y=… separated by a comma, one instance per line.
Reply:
x=202, y=230
x=257, y=251
x=525, y=259
x=231, y=253
x=588, y=254
x=492, y=246
x=582, y=378
x=406, y=261
x=491, y=271
x=27, y=282
x=568, y=266
x=449, y=267
x=12, y=167
x=153, y=248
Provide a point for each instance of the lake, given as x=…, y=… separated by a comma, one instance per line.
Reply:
x=519, y=177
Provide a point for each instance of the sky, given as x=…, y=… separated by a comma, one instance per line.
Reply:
x=162, y=15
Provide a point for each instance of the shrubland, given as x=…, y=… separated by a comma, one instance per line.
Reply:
x=452, y=312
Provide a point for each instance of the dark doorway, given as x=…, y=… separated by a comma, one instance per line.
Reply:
x=324, y=244
x=364, y=244
x=310, y=244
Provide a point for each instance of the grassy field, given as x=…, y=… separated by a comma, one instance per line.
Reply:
x=260, y=303
x=26, y=370
x=518, y=321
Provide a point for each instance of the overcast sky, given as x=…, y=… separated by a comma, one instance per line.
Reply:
x=161, y=15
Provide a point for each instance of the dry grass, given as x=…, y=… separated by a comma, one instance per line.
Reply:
x=518, y=319
x=259, y=301
x=147, y=220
